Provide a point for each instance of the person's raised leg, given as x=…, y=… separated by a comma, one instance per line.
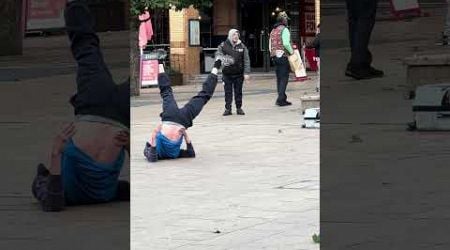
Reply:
x=122, y=102
x=193, y=108
x=94, y=81
x=169, y=104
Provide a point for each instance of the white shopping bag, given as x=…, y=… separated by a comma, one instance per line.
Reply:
x=297, y=66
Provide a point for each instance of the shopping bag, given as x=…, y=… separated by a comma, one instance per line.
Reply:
x=296, y=63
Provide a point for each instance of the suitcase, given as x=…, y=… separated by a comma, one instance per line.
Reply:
x=431, y=107
x=311, y=118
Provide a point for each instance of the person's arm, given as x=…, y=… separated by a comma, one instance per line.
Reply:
x=189, y=151
x=316, y=42
x=247, y=67
x=286, y=38
x=52, y=199
x=219, y=52
x=153, y=136
x=150, y=153
x=150, y=147
x=122, y=139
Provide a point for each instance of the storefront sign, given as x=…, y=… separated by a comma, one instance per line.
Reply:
x=308, y=18
x=45, y=14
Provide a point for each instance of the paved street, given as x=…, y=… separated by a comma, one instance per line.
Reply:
x=253, y=185
x=382, y=187
x=34, y=103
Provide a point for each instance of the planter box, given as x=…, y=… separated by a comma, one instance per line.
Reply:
x=310, y=101
x=176, y=79
x=427, y=69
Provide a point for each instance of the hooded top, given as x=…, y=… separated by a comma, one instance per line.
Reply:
x=230, y=36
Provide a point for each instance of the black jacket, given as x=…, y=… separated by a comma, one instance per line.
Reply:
x=240, y=56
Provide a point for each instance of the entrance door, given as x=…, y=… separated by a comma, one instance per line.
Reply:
x=257, y=19
x=251, y=26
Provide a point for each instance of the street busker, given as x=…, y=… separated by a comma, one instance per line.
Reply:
x=280, y=49
x=167, y=138
x=234, y=71
x=87, y=155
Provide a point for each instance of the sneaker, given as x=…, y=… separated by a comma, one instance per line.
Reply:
x=227, y=112
x=239, y=111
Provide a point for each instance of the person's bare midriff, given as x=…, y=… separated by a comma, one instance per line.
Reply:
x=97, y=141
x=172, y=131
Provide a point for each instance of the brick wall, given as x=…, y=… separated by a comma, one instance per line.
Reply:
x=183, y=58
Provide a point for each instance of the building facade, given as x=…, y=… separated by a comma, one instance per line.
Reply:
x=254, y=19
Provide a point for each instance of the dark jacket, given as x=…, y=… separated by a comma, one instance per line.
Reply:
x=315, y=44
x=239, y=53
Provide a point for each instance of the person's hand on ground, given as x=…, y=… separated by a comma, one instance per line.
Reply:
x=122, y=139
x=186, y=137
x=247, y=78
x=61, y=139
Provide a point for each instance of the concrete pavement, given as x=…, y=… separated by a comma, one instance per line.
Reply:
x=382, y=187
x=253, y=185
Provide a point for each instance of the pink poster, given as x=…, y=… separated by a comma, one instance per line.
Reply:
x=45, y=14
x=149, y=73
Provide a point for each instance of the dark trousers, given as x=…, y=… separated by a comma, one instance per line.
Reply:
x=282, y=70
x=187, y=114
x=361, y=20
x=233, y=84
x=97, y=93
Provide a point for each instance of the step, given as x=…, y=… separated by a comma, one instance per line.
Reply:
x=427, y=69
x=310, y=101
x=259, y=76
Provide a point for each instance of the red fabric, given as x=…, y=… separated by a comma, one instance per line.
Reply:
x=310, y=53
